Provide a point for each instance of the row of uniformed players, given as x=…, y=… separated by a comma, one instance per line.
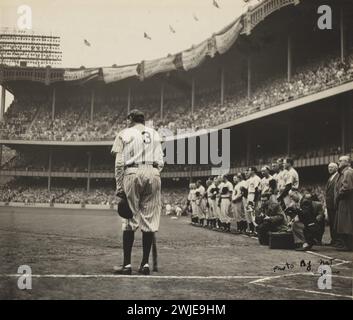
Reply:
x=223, y=203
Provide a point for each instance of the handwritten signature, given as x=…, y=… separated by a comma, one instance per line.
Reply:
x=307, y=265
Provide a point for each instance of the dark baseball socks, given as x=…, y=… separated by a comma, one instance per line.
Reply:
x=147, y=240
x=128, y=241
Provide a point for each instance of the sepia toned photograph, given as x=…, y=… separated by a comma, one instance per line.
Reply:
x=181, y=154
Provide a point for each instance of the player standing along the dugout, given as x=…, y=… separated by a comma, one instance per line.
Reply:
x=138, y=163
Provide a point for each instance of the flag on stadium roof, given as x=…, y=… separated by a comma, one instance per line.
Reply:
x=215, y=4
x=172, y=30
x=145, y=35
x=86, y=43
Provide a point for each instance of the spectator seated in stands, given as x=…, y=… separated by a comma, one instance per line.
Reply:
x=31, y=119
x=269, y=218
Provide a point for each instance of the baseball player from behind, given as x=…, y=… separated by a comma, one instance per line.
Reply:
x=138, y=163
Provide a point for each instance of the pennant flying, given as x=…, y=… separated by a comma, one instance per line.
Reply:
x=145, y=35
x=216, y=4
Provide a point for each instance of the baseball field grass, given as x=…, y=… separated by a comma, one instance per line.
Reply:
x=71, y=254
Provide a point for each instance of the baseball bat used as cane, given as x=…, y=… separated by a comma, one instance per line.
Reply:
x=154, y=254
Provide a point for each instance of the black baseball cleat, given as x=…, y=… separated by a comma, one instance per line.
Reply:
x=144, y=270
x=122, y=270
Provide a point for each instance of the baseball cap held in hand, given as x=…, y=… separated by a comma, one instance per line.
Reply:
x=124, y=209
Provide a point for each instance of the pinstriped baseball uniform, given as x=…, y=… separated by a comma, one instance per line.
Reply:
x=139, y=160
x=194, y=208
x=265, y=184
x=292, y=177
x=210, y=214
x=225, y=201
x=238, y=213
x=215, y=203
x=244, y=184
x=201, y=202
x=253, y=184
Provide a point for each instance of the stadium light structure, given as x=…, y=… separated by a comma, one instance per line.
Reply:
x=29, y=49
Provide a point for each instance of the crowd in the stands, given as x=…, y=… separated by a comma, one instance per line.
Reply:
x=34, y=193
x=30, y=119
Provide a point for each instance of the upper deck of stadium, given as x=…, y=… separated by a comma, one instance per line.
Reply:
x=283, y=87
x=271, y=59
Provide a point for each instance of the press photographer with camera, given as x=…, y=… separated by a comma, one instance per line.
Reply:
x=269, y=218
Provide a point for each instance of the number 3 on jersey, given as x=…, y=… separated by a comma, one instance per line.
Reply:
x=146, y=137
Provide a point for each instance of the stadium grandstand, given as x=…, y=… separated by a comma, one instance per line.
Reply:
x=282, y=87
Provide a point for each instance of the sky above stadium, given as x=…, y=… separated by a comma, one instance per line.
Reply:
x=115, y=28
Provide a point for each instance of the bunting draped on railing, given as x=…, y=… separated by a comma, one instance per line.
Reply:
x=81, y=74
x=113, y=74
x=151, y=67
x=197, y=54
x=225, y=40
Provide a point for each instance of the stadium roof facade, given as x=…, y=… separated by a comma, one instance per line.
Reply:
x=218, y=44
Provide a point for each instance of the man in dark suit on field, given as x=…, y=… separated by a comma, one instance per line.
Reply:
x=330, y=201
x=344, y=204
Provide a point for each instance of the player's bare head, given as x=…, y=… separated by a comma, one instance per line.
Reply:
x=332, y=167
x=236, y=178
x=280, y=163
x=265, y=171
x=252, y=171
x=136, y=116
x=275, y=166
x=288, y=163
x=246, y=174
x=219, y=180
x=198, y=183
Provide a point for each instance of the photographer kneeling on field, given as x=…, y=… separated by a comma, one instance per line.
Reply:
x=308, y=220
x=269, y=218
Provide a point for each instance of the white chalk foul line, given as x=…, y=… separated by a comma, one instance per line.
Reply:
x=327, y=257
x=306, y=291
x=109, y=276
x=298, y=274
x=260, y=282
x=263, y=279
